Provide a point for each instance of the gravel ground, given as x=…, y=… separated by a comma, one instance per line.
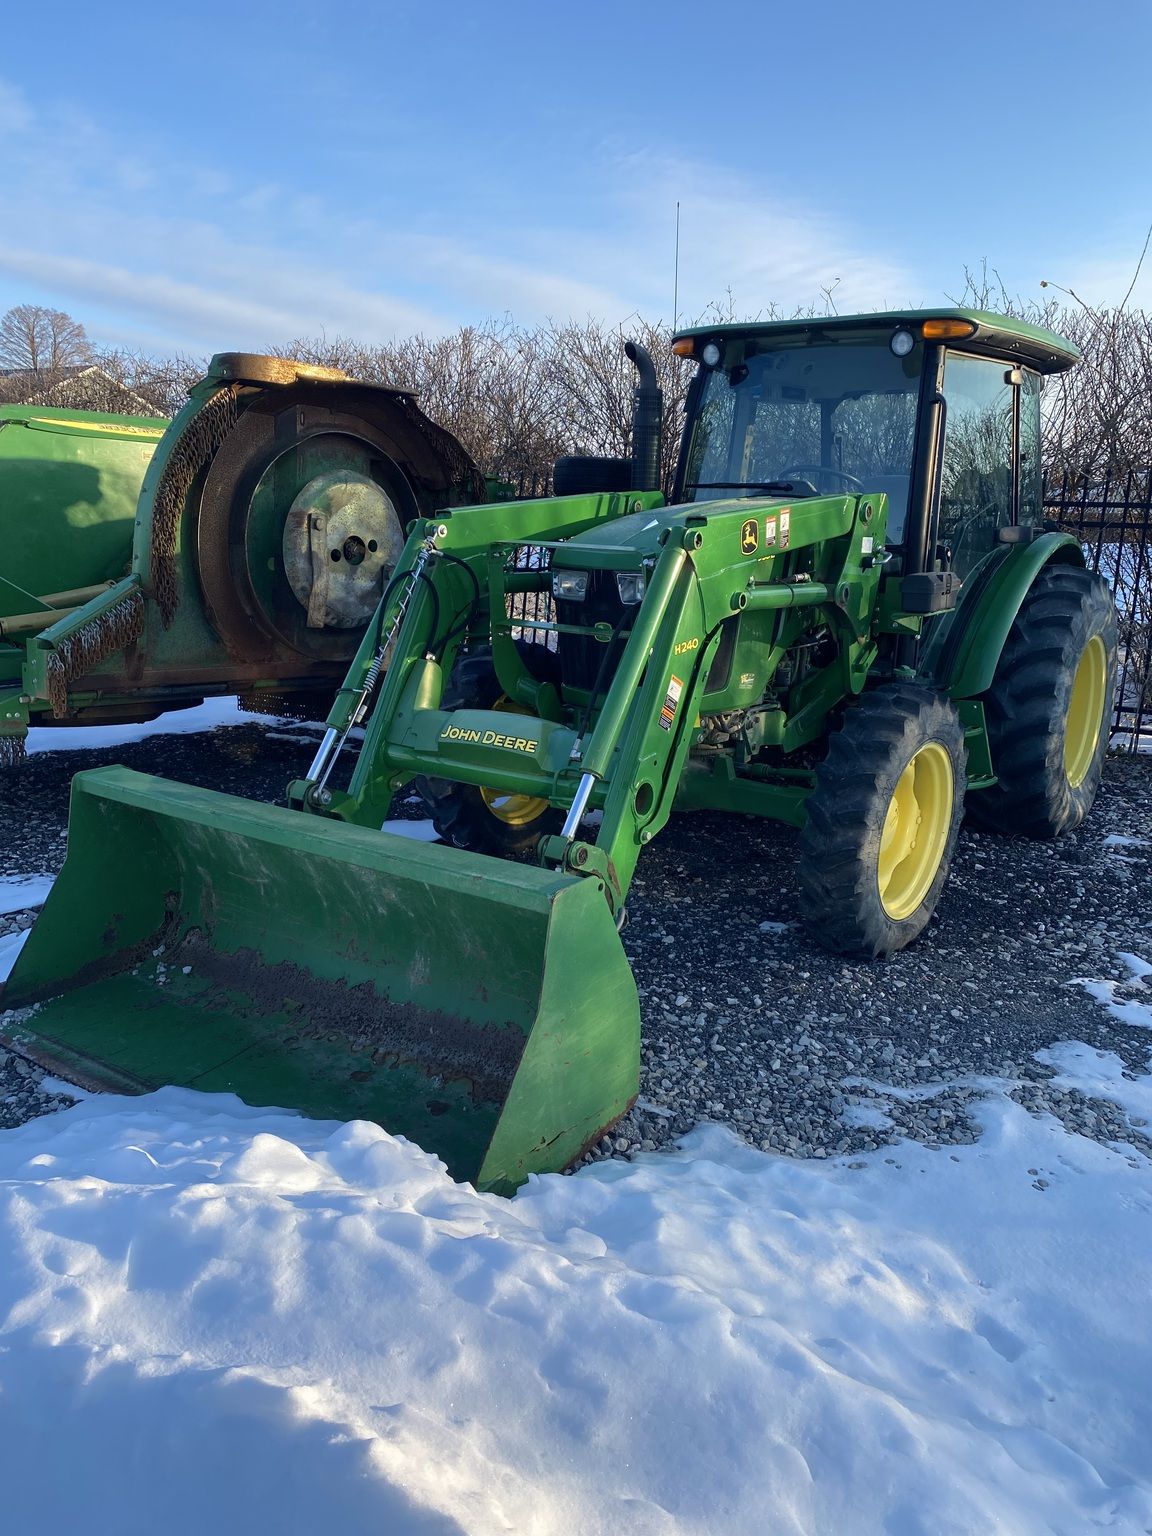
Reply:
x=746, y=1022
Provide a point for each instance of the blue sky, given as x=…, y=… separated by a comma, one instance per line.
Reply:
x=235, y=175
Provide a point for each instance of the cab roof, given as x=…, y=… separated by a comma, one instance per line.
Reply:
x=995, y=335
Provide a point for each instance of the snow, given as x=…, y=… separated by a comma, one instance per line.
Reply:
x=919, y=1093
x=419, y=831
x=1139, y=969
x=1100, y=1074
x=177, y=722
x=1105, y=991
x=868, y=1116
x=10, y=946
x=233, y=1319
x=19, y=892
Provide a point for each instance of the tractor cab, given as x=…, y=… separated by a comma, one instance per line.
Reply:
x=939, y=410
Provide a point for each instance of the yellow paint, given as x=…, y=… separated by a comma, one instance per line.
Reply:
x=489, y=738
x=98, y=426
x=513, y=810
x=1085, y=712
x=915, y=834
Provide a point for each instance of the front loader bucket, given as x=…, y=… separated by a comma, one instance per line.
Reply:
x=481, y=1008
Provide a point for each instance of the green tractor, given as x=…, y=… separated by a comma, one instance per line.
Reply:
x=240, y=549
x=851, y=617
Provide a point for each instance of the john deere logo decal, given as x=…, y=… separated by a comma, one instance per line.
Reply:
x=750, y=537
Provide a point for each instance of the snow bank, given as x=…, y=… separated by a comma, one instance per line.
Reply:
x=177, y=722
x=224, y=1319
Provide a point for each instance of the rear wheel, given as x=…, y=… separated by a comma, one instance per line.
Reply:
x=1049, y=707
x=488, y=820
x=882, y=821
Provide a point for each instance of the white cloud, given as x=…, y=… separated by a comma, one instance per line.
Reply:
x=1105, y=279
x=262, y=299
x=743, y=237
x=191, y=256
x=495, y=283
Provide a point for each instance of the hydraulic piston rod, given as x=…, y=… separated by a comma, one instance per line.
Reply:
x=334, y=739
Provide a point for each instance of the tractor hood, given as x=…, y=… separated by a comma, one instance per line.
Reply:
x=643, y=532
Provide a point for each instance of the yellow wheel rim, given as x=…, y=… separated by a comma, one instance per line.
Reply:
x=915, y=834
x=1085, y=712
x=512, y=810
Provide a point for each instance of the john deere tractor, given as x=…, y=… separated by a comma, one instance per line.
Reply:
x=850, y=616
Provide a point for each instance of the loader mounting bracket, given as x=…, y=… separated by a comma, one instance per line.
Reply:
x=577, y=858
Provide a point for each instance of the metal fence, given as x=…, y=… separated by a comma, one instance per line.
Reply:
x=1112, y=518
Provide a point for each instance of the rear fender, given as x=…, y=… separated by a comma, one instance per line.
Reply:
x=962, y=657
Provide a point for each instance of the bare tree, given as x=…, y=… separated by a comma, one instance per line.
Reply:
x=519, y=397
x=41, y=340
x=160, y=383
x=1098, y=415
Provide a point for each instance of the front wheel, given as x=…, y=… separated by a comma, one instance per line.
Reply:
x=489, y=820
x=882, y=821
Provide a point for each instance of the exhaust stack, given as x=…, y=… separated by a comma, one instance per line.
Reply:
x=647, y=416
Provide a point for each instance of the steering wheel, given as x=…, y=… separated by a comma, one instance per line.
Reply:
x=822, y=469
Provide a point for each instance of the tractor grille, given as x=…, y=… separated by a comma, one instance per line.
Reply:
x=581, y=655
x=532, y=605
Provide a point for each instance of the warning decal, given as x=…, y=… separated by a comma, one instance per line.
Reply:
x=785, y=527
x=770, y=531
x=671, y=700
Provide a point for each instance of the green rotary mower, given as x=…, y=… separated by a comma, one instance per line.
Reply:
x=850, y=617
x=240, y=549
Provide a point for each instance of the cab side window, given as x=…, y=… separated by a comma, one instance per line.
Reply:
x=976, y=473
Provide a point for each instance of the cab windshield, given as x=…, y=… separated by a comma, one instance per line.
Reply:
x=806, y=420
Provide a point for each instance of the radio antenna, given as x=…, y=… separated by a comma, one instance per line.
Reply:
x=676, y=272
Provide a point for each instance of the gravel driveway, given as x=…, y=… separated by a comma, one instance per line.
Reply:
x=746, y=1022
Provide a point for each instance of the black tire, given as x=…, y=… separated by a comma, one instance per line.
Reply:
x=853, y=814
x=1066, y=615
x=459, y=812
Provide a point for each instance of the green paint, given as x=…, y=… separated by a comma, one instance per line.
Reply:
x=1033, y=344
x=305, y=942
x=965, y=650
x=69, y=481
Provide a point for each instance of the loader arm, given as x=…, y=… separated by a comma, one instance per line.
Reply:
x=629, y=762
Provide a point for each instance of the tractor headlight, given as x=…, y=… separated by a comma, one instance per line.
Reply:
x=711, y=354
x=902, y=342
x=630, y=585
x=570, y=586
